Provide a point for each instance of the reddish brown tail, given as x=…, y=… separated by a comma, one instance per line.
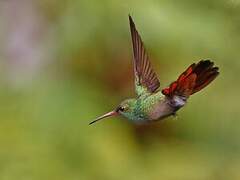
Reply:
x=196, y=77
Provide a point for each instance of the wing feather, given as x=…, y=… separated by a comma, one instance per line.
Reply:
x=145, y=78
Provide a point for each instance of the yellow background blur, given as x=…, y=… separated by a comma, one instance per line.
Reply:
x=63, y=63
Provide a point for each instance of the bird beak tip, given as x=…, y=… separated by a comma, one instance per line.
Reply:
x=112, y=113
x=91, y=123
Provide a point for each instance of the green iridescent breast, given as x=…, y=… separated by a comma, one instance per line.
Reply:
x=144, y=106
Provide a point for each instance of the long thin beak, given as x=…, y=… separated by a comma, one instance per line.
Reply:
x=112, y=113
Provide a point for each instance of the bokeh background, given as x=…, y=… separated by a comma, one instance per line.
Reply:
x=62, y=63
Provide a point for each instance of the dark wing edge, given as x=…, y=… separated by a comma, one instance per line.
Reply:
x=144, y=74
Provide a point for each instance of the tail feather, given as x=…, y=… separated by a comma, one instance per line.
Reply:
x=196, y=77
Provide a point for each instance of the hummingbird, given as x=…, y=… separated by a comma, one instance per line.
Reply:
x=150, y=103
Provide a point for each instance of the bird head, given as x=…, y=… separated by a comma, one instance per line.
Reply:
x=125, y=108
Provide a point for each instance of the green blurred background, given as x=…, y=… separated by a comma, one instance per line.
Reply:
x=62, y=63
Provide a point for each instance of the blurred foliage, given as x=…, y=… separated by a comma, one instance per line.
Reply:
x=86, y=70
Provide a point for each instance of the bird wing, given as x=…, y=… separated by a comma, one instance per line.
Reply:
x=146, y=80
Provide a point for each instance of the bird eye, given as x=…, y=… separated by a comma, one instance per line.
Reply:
x=121, y=108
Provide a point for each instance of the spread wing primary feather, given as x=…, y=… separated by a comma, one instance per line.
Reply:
x=146, y=80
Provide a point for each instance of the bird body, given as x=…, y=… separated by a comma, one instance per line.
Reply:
x=141, y=109
x=150, y=107
x=151, y=104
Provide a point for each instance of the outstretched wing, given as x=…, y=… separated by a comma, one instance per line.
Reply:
x=146, y=80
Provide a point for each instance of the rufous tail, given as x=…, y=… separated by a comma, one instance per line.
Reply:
x=196, y=77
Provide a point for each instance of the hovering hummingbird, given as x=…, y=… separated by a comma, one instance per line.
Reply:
x=151, y=104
